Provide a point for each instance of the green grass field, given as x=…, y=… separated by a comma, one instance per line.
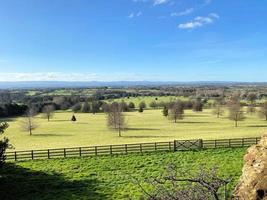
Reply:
x=108, y=177
x=149, y=99
x=149, y=126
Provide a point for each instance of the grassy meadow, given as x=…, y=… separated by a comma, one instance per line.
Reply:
x=149, y=99
x=149, y=126
x=108, y=177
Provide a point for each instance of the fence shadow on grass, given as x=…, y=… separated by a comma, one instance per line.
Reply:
x=257, y=126
x=198, y=122
x=21, y=183
x=49, y=135
x=144, y=136
x=142, y=129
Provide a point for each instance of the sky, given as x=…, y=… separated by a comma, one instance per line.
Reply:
x=133, y=40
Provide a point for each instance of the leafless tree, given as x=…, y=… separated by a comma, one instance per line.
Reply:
x=263, y=110
x=218, y=110
x=86, y=107
x=153, y=104
x=176, y=111
x=251, y=109
x=234, y=98
x=197, y=106
x=116, y=118
x=142, y=105
x=48, y=111
x=179, y=185
x=251, y=97
x=236, y=113
x=28, y=124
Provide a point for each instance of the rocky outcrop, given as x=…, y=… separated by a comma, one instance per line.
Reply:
x=253, y=182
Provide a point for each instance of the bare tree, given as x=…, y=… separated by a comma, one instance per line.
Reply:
x=76, y=107
x=28, y=124
x=180, y=185
x=176, y=111
x=251, y=109
x=131, y=105
x=86, y=107
x=197, y=106
x=218, y=110
x=153, y=104
x=236, y=113
x=263, y=110
x=115, y=118
x=48, y=111
x=142, y=105
x=251, y=97
x=165, y=111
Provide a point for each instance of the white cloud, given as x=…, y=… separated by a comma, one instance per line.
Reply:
x=132, y=15
x=199, y=21
x=155, y=2
x=58, y=76
x=158, y=2
x=185, y=12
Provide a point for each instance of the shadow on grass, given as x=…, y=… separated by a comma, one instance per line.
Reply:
x=8, y=119
x=145, y=136
x=257, y=126
x=142, y=129
x=49, y=135
x=59, y=120
x=195, y=115
x=21, y=183
x=186, y=122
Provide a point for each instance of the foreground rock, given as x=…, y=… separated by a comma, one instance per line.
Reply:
x=253, y=182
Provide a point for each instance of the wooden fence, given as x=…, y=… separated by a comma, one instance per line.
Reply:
x=176, y=145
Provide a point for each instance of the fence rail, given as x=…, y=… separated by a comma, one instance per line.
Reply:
x=176, y=145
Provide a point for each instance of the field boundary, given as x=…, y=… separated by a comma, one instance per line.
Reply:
x=175, y=145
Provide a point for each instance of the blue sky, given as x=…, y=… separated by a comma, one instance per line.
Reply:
x=154, y=40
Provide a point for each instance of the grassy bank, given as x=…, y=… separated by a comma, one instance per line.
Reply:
x=107, y=177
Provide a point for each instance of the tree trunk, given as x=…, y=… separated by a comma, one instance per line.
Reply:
x=119, y=132
x=30, y=131
x=235, y=123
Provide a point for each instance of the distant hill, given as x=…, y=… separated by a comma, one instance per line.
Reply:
x=66, y=84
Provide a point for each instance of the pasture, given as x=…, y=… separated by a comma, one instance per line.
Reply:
x=150, y=126
x=108, y=177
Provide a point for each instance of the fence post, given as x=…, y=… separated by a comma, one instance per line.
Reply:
x=48, y=154
x=155, y=146
x=96, y=150
x=15, y=155
x=200, y=144
x=229, y=142
x=174, y=146
x=242, y=142
x=215, y=144
x=141, y=150
x=126, y=149
x=80, y=151
x=110, y=148
x=32, y=154
x=256, y=140
x=64, y=153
